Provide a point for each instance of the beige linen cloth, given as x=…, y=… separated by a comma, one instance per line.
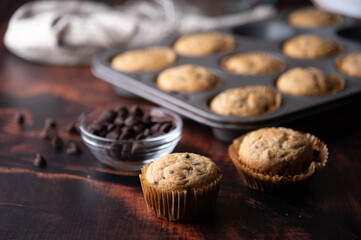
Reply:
x=72, y=32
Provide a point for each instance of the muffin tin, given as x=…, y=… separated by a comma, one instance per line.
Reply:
x=263, y=36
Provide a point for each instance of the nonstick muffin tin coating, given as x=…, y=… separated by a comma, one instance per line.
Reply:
x=265, y=36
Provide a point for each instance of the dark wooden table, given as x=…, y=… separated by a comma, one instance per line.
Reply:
x=76, y=197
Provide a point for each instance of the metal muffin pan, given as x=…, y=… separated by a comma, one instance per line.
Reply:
x=264, y=36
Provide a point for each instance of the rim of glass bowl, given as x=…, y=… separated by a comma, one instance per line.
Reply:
x=178, y=122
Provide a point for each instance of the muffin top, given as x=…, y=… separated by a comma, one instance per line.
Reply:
x=276, y=151
x=311, y=17
x=203, y=44
x=350, y=64
x=186, y=79
x=310, y=46
x=147, y=59
x=256, y=63
x=248, y=101
x=309, y=82
x=179, y=171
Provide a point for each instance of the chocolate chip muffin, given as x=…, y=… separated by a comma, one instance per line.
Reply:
x=271, y=158
x=203, y=44
x=248, y=101
x=309, y=82
x=253, y=63
x=350, y=64
x=187, y=79
x=310, y=46
x=147, y=59
x=311, y=17
x=181, y=186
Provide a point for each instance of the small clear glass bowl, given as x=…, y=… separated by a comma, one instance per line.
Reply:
x=131, y=155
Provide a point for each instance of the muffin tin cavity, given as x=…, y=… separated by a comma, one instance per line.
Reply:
x=267, y=36
x=351, y=33
x=266, y=31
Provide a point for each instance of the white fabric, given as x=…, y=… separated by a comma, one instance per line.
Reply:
x=71, y=32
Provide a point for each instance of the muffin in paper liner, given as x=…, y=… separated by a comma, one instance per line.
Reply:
x=180, y=205
x=267, y=183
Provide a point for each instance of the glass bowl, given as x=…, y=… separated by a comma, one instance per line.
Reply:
x=131, y=155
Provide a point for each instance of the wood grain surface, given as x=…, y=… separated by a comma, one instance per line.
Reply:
x=76, y=197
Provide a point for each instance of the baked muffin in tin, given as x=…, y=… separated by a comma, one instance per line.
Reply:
x=350, y=64
x=311, y=17
x=247, y=101
x=252, y=63
x=203, y=44
x=309, y=82
x=147, y=59
x=310, y=46
x=187, y=79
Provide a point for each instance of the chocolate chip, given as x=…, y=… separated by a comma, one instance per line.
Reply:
x=50, y=123
x=195, y=163
x=188, y=169
x=171, y=172
x=108, y=116
x=131, y=120
x=139, y=127
x=140, y=136
x=146, y=132
x=112, y=135
x=49, y=133
x=165, y=127
x=155, y=182
x=73, y=149
x=182, y=177
x=19, y=118
x=137, y=147
x=155, y=128
x=119, y=121
x=147, y=119
x=122, y=112
x=110, y=127
x=136, y=111
x=126, y=151
x=57, y=143
x=39, y=161
x=187, y=156
x=72, y=129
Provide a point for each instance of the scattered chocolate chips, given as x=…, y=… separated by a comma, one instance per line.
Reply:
x=129, y=124
x=19, y=118
x=155, y=182
x=187, y=156
x=73, y=149
x=39, y=161
x=57, y=143
x=72, y=129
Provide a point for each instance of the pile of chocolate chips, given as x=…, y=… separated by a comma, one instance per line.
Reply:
x=129, y=124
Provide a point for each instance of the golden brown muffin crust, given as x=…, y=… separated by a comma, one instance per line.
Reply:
x=248, y=101
x=253, y=63
x=186, y=79
x=309, y=82
x=147, y=59
x=350, y=64
x=203, y=44
x=276, y=151
x=310, y=46
x=180, y=171
x=311, y=17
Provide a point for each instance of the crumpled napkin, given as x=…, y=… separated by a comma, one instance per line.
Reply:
x=72, y=32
